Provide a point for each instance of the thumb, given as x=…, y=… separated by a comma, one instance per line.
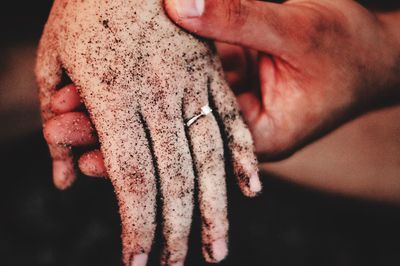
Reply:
x=267, y=27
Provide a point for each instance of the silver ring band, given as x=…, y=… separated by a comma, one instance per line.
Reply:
x=205, y=110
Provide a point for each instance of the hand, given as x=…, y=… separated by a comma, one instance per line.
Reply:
x=320, y=63
x=141, y=78
x=71, y=127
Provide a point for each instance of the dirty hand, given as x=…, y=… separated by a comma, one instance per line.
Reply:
x=141, y=79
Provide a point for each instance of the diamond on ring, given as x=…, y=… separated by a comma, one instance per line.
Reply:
x=205, y=110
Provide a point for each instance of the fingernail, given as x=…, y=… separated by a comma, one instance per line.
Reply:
x=254, y=183
x=219, y=249
x=189, y=8
x=179, y=263
x=139, y=260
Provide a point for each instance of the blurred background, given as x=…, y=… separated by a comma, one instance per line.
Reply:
x=334, y=203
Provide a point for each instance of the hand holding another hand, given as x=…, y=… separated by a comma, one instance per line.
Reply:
x=320, y=63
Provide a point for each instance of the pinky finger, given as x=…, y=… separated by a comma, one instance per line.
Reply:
x=239, y=139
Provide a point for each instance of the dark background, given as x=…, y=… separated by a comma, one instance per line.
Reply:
x=39, y=225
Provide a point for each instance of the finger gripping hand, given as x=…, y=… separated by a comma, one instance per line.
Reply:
x=141, y=79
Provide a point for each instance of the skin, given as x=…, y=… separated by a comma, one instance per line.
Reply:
x=303, y=68
x=360, y=159
x=140, y=78
x=319, y=63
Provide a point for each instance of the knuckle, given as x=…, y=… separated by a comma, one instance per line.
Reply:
x=47, y=135
x=50, y=132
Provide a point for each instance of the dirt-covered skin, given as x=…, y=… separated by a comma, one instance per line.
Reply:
x=141, y=78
